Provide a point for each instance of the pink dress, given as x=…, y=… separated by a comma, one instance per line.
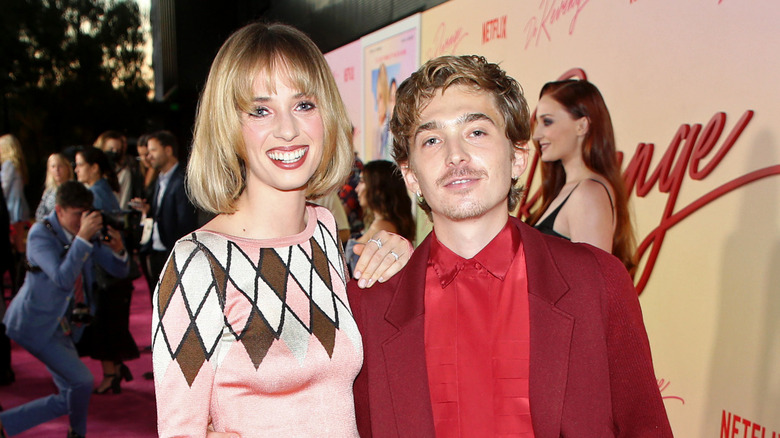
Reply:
x=256, y=336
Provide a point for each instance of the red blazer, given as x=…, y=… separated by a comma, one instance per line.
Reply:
x=591, y=371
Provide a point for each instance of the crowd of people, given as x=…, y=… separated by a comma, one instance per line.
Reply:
x=489, y=327
x=76, y=259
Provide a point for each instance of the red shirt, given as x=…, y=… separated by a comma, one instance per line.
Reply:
x=477, y=339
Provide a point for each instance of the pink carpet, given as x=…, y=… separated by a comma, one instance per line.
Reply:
x=130, y=414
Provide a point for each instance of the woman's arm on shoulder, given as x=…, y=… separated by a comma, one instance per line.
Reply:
x=588, y=215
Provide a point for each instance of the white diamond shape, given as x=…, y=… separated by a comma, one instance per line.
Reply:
x=301, y=268
x=323, y=297
x=210, y=321
x=269, y=304
x=196, y=279
x=296, y=337
x=242, y=272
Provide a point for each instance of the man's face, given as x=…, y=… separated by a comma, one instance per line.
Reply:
x=158, y=155
x=460, y=158
x=70, y=218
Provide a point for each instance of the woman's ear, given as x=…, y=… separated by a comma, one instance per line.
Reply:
x=583, y=126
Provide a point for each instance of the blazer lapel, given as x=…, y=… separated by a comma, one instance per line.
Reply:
x=551, y=333
x=404, y=352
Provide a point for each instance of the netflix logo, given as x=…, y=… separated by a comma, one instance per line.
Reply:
x=349, y=74
x=734, y=426
x=494, y=29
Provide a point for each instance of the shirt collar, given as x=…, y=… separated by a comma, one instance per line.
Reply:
x=165, y=177
x=496, y=257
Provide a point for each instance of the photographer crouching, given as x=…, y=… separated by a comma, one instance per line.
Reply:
x=52, y=307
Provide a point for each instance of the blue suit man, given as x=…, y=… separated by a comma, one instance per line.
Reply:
x=61, y=251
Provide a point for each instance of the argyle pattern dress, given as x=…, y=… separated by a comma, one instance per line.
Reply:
x=256, y=336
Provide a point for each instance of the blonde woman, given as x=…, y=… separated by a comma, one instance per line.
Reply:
x=14, y=178
x=252, y=330
x=58, y=170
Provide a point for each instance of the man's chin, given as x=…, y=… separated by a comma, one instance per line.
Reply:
x=463, y=212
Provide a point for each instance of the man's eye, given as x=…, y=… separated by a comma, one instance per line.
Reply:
x=478, y=133
x=430, y=142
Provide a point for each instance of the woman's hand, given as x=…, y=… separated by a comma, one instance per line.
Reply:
x=381, y=258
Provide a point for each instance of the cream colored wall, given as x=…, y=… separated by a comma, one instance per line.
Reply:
x=712, y=301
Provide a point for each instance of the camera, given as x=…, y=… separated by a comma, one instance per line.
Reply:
x=115, y=221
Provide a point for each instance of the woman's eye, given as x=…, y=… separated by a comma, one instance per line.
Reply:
x=547, y=122
x=259, y=112
x=306, y=106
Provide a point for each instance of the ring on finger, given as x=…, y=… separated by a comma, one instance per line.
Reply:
x=377, y=241
x=392, y=253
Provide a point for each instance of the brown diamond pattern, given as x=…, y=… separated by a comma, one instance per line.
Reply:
x=257, y=336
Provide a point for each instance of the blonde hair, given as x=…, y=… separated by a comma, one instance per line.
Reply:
x=216, y=173
x=11, y=150
x=382, y=90
x=62, y=160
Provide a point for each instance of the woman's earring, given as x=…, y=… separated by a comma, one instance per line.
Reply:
x=420, y=196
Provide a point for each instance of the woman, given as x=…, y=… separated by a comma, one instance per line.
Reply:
x=58, y=171
x=386, y=204
x=108, y=339
x=14, y=178
x=583, y=195
x=252, y=331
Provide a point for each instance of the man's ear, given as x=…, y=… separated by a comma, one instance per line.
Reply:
x=520, y=156
x=409, y=177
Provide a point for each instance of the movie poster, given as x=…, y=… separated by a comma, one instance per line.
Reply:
x=390, y=55
x=346, y=63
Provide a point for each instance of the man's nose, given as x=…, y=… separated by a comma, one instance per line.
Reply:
x=457, y=152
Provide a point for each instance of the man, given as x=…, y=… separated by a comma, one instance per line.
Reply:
x=171, y=214
x=493, y=328
x=47, y=315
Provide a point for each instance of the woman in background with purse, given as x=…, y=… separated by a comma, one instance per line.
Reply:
x=109, y=339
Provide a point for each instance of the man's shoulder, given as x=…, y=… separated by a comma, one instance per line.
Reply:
x=177, y=176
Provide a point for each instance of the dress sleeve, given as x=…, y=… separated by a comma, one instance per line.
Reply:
x=187, y=324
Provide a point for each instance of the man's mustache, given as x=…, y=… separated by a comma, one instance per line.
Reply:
x=460, y=172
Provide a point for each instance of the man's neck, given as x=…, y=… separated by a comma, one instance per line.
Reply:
x=468, y=237
x=168, y=166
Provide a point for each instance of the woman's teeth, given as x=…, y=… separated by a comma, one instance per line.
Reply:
x=288, y=157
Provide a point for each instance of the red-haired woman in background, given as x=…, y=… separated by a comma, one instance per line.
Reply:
x=583, y=194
